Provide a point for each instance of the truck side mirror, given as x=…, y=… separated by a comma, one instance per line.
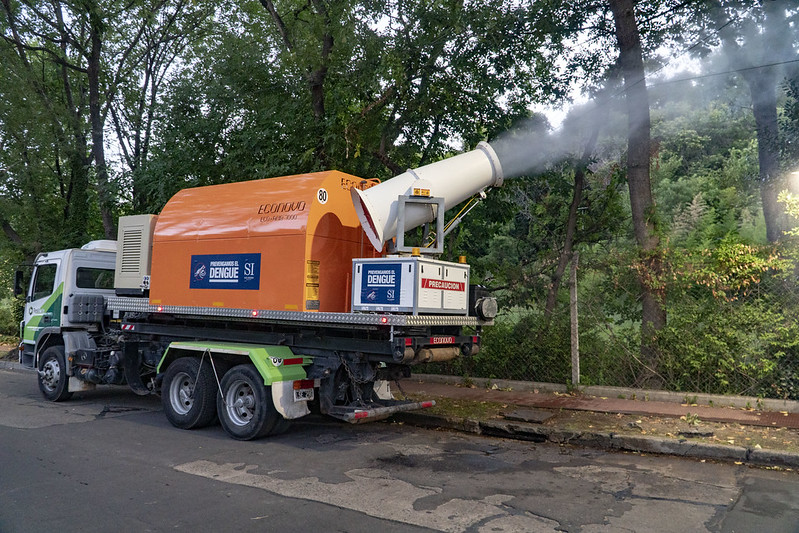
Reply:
x=19, y=283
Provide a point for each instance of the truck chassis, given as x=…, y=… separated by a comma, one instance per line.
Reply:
x=250, y=369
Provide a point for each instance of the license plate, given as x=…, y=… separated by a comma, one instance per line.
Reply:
x=302, y=395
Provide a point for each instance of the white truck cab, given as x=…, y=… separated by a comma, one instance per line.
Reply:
x=66, y=292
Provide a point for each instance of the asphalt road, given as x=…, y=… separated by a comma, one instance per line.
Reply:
x=109, y=461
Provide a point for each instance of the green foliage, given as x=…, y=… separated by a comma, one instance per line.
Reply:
x=403, y=84
x=11, y=310
x=518, y=347
x=524, y=226
x=789, y=124
x=729, y=271
x=728, y=347
x=791, y=203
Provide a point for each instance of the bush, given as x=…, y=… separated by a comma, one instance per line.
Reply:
x=723, y=347
x=11, y=310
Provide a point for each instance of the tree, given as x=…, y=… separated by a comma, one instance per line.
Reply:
x=396, y=88
x=99, y=48
x=758, y=39
x=167, y=31
x=653, y=311
x=47, y=156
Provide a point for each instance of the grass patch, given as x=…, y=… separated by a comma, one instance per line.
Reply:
x=464, y=408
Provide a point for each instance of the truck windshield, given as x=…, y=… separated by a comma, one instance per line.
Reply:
x=94, y=278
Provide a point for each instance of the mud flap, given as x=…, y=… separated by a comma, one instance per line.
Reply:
x=283, y=398
x=131, y=367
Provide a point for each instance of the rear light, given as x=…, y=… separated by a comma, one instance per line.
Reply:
x=408, y=342
x=384, y=320
x=361, y=414
x=425, y=405
x=303, y=384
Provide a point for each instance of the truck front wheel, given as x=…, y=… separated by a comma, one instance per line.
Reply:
x=53, y=377
x=187, y=393
x=245, y=407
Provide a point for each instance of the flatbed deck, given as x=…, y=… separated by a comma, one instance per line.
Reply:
x=142, y=305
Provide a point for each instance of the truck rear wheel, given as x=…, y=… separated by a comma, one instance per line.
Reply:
x=53, y=377
x=245, y=407
x=187, y=393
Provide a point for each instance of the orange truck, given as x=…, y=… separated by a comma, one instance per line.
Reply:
x=254, y=303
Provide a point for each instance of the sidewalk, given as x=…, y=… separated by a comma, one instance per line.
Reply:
x=709, y=427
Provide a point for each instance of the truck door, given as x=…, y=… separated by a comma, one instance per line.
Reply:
x=43, y=302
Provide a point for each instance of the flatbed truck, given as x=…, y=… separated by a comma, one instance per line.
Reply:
x=254, y=303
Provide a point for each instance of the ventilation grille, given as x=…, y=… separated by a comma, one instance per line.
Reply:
x=131, y=251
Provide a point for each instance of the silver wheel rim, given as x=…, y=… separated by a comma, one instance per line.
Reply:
x=181, y=393
x=51, y=374
x=240, y=403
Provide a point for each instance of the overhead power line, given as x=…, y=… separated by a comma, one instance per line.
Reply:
x=723, y=73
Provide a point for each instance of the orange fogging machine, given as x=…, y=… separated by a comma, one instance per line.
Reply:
x=321, y=242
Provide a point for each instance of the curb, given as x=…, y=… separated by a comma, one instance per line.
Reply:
x=741, y=402
x=605, y=441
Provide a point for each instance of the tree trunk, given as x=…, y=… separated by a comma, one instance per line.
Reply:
x=571, y=224
x=96, y=119
x=764, y=41
x=315, y=75
x=762, y=86
x=653, y=315
x=316, y=82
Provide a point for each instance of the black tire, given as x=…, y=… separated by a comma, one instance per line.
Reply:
x=53, y=379
x=189, y=400
x=245, y=407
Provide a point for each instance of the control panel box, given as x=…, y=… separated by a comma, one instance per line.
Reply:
x=415, y=285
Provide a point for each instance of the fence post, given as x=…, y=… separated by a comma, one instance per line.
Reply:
x=575, y=336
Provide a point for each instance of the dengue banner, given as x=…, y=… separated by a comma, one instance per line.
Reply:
x=381, y=284
x=226, y=271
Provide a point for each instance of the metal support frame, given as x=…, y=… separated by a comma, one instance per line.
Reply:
x=439, y=220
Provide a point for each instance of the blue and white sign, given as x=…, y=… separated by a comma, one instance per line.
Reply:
x=226, y=271
x=380, y=284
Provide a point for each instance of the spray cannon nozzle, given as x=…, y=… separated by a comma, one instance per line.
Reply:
x=454, y=179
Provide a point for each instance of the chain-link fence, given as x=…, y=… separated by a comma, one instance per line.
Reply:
x=742, y=340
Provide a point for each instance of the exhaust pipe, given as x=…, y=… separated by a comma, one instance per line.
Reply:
x=455, y=179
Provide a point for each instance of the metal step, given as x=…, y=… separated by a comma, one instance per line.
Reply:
x=375, y=410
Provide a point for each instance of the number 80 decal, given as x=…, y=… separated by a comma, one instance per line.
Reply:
x=321, y=195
